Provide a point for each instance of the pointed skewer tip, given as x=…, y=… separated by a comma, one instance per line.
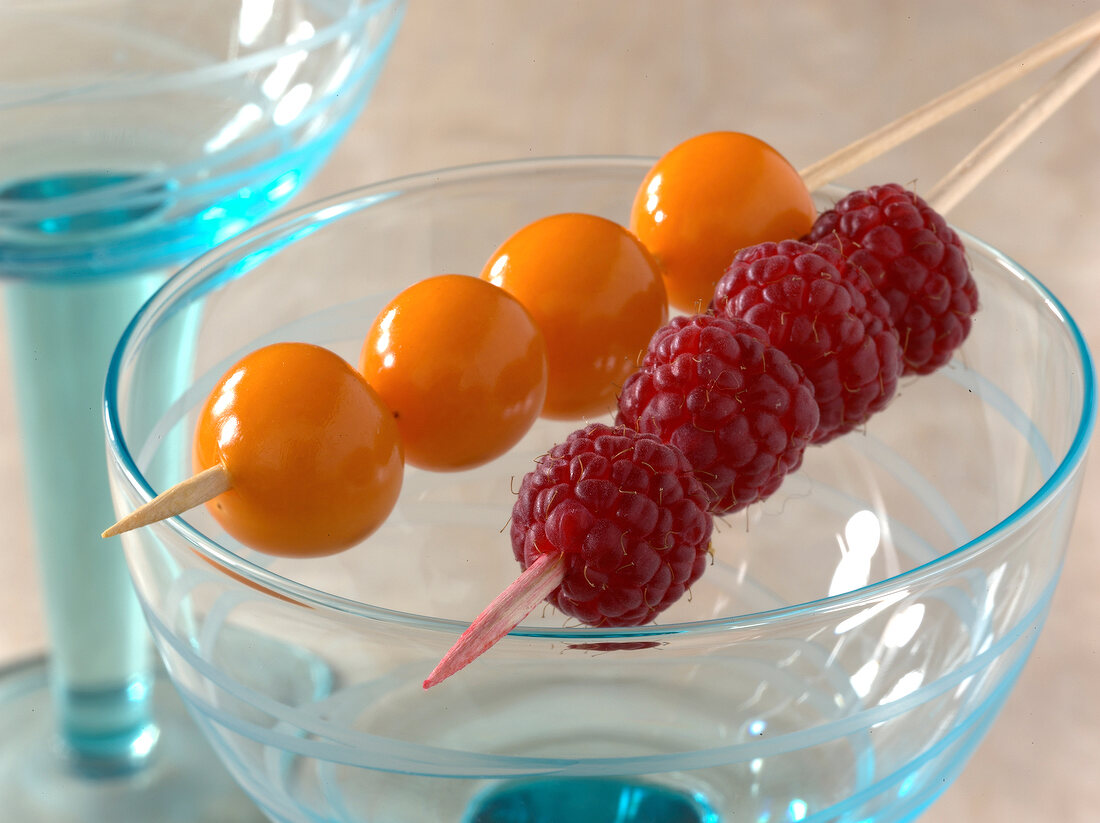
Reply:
x=185, y=495
x=501, y=616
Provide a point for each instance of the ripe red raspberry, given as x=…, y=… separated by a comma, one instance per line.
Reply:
x=628, y=516
x=611, y=527
x=735, y=405
x=827, y=318
x=915, y=260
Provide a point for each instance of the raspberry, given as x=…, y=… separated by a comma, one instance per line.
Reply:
x=611, y=527
x=826, y=317
x=627, y=514
x=735, y=405
x=915, y=260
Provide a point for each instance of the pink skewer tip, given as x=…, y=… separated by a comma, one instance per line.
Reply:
x=501, y=616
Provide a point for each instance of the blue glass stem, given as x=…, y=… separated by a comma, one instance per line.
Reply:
x=62, y=335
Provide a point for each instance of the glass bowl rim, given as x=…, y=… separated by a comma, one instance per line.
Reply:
x=17, y=95
x=323, y=211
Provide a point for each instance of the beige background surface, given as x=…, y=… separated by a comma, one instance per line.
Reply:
x=473, y=81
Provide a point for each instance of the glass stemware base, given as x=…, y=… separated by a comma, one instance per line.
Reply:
x=40, y=781
x=173, y=774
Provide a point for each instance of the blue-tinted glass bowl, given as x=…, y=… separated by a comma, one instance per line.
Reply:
x=853, y=640
x=135, y=135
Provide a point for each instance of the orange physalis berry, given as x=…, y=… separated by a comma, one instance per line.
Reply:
x=597, y=295
x=710, y=197
x=313, y=455
x=463, y=367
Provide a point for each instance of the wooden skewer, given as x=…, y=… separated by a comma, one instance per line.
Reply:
x=185, y=495
x=1003, y=140
x=892, y=134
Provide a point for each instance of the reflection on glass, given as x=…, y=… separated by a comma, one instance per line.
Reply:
x=862, y=535
x=293, y=103
x=255, y=15
x=864, y=678
x=861, y=617
x=246, y=116
x=907, y=684
x=903, y=626
x=279, y=80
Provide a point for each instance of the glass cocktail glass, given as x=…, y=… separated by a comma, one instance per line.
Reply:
x=839, y=661
x=133, y=136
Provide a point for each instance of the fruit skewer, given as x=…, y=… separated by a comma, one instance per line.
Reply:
x=206, y=485
x=214, y=481
x=546, y=572
x=264, y=445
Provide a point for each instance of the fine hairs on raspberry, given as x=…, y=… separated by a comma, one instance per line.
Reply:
x=827, y=317
x=611, y=527
x=628, y=516
x=915, y=260
x=736, y=406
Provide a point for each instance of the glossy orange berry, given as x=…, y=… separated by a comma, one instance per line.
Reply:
x=463, y=367
x=313, y=454
x=597, y=295
x=709, y=197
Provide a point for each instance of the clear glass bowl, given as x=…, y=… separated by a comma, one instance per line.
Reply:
x=854, y=638
x=136, y=134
